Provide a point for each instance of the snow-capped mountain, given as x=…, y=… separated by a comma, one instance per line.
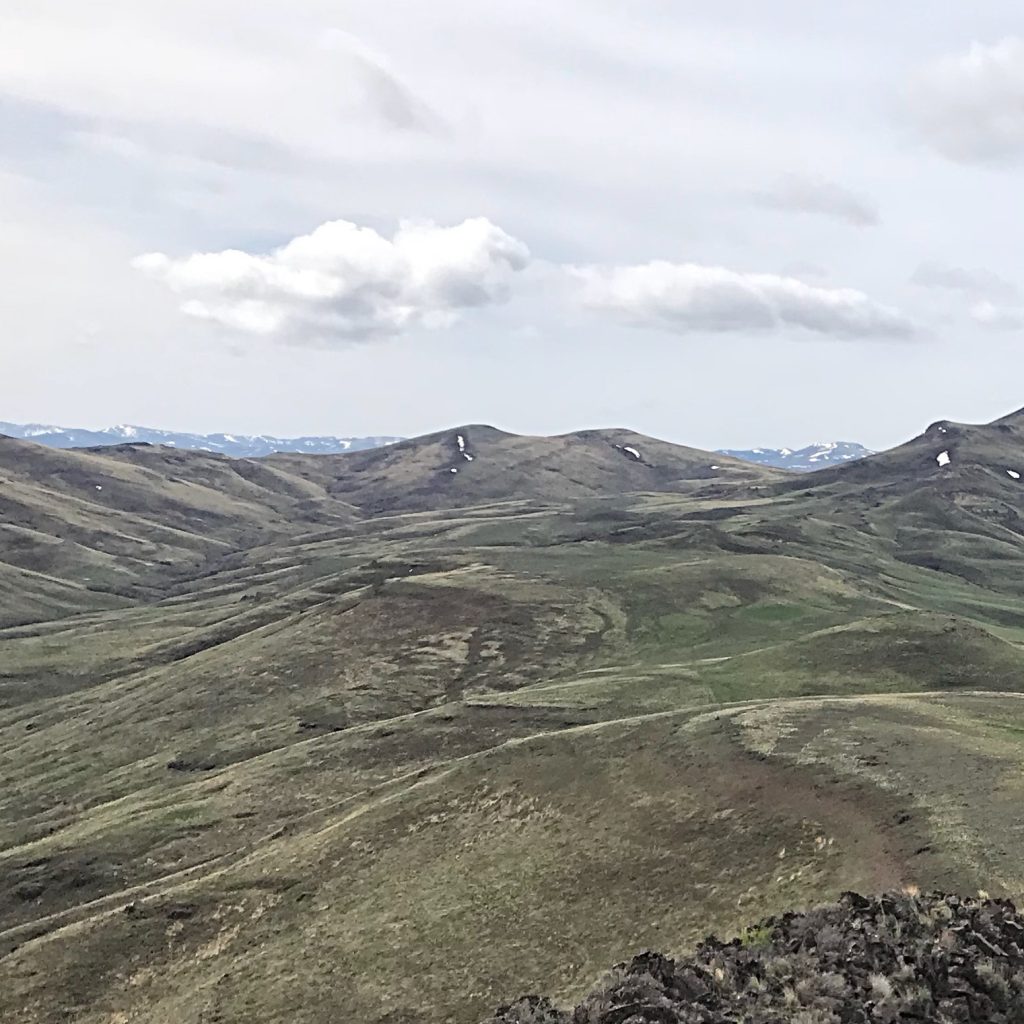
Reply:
x=236, y=445
x=802, y=460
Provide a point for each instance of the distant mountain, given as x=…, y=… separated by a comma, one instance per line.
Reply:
x=815, y=456
x=479, y=464
x=246, y=446
x=242, y=446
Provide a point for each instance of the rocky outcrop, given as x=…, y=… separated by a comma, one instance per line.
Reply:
x=941, y=959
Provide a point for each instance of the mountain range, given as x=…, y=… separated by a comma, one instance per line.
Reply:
x=397, y=735
x=818, y=455
x=815, y=456
x=243, y=446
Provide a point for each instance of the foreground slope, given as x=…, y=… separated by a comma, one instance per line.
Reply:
x=405, y=761
x=941, y=958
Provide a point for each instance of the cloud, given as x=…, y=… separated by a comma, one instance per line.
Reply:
x=386, y=95
x=800, y=194
x=284, y=82
x=995, y=302
x=686, y=297
x=977, y=283
x=394, y=103
x=343, y=282
x=997, y=318
x=971, y=107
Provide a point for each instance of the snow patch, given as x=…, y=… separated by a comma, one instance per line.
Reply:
x=1013, y=473
x=824, y=450
x=631, y=451
x=714, y=467
x=453, y=470
x=461, y=442
x=99, y=487
x=943, y=458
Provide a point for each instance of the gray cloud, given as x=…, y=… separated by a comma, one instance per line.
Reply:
x=801, y=194
x=343, y=282
x=389, y=98
x=394, y=102
x=684, y=297
x=976, y=283
x=970, y=107
x=995, y=302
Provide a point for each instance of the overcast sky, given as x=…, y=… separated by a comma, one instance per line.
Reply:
x=726, y=224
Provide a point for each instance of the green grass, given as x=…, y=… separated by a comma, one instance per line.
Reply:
x=442, y=757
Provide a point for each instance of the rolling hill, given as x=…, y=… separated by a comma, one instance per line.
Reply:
x=376, y=740
x=92, y=528
x=250, y=446
x=472, y=465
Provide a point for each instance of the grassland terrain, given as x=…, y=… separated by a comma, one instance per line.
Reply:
x=319, y=738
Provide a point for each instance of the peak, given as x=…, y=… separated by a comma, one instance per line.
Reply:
x=477, y=431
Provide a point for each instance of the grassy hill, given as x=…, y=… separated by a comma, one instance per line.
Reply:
x=473, y=465
x=301, y=737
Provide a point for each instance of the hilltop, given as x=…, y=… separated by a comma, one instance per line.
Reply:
x=300, y=736
x=477, y=464
x=251, y=446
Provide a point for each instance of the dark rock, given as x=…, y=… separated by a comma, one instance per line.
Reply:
x=530, y=1010
x=938, y=959
x=29, y=891
x=181, y=764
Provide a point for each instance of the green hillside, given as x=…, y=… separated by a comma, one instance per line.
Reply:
x=334, y=737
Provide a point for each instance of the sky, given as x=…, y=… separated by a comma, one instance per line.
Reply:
x=729, y=225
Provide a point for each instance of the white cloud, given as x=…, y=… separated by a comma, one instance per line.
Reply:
x=686, y=297
x=970, y=107
x=345, y=282
x=801, y=194
x=997, y=318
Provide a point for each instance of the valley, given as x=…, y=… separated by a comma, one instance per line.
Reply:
x=398, y=735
